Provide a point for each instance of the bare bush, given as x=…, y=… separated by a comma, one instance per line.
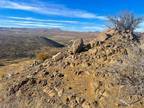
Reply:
x=125, y=22
x=47, y=53
x=41, y=56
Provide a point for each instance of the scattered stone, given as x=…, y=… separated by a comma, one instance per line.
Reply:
x=15, y=88
x=49, y=92
x=86, y=105
x=44, y=82
x=60, y=92
x=58, y=56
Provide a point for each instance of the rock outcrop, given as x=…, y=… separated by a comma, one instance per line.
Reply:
x=109, y=74
x=77, y=46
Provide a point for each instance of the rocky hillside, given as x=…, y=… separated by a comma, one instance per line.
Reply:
x=23, y=46
x=107, y=72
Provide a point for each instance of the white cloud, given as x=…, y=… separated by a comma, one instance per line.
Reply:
x=14, y=5
x=28, y=24
x=81, y=26
x=50, y=9
x=39, y=25
x=43, y=20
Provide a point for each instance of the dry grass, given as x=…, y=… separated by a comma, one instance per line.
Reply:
x=14, y=66
x=41, y=56
x=47, y=53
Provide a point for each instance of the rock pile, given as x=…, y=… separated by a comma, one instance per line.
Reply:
x=105, y=73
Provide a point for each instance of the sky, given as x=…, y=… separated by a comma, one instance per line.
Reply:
x=72, y=15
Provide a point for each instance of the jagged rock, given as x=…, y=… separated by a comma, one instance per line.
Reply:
x=77, y=46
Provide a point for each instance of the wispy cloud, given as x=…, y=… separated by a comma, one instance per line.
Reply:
x=14, y=5
x=50, y=9
x=40, y=23
x=29, y=24
x=43, y=20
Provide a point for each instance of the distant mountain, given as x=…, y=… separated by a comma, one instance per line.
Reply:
x=44, y=32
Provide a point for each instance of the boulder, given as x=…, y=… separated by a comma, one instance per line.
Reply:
x=77, y=46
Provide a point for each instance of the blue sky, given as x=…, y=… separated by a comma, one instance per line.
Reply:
x=75, y=15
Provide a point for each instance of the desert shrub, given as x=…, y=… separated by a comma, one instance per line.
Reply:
x=126, y=22
x=47, y=53
x=41, y=56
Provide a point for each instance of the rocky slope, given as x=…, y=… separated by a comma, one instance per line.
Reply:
x=108, y=72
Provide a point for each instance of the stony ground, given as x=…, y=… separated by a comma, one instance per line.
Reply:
x=105, y=73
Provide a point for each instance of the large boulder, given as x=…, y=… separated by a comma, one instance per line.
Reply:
x=77, y=46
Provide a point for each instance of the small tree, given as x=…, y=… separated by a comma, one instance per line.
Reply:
x=125, y=22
